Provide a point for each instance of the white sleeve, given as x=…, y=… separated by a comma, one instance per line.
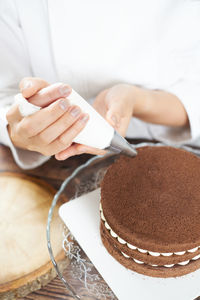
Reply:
x=188, y=93
x=179, y=74
x=14, y=65
x=187, y=66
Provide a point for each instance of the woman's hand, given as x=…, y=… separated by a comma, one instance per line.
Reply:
x=119, y=103
x=116, y=105
x=53, y=128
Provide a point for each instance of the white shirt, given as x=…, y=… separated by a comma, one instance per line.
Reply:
x=93, y=45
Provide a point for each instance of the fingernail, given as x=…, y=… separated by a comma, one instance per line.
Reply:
x=64, y=90
x=64, y=105
x=84, y=119
x=27, y=84
x=58, y=157
x=75, y=112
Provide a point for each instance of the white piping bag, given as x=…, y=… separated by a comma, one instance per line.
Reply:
x=97, y=133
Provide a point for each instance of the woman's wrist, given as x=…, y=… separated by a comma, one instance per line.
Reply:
x=158, y=107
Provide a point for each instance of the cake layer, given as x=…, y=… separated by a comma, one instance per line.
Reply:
x=152, y=201
x=145, y=269
x=131, y=247
x=147, y=257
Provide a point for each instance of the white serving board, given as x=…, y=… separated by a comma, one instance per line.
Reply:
x=81, y=216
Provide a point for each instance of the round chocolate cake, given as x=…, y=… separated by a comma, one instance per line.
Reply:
x=150, y=211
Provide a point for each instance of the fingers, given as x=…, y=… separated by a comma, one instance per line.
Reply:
x=65, y=140
x=123, y=126
x=100, y=104
x=117, y=118
x=90, y=150
x=50, y=93
x=70, y=151
x=118, y=115
x=13, y=115
x=31, y=85
x=66, y=122
x=36, y=123
x=106, y=104
x=113, y=115
x=60, y=126
x=77, y=149
x=40, y=93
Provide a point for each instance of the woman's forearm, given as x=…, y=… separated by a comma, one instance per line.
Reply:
x=159, y=107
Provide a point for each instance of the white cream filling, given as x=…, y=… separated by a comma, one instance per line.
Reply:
x=152, y=253
x=183, y=263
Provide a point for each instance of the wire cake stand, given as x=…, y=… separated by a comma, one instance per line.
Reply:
x=80, y=277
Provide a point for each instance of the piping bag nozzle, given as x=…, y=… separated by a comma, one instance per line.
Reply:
x=120, y=145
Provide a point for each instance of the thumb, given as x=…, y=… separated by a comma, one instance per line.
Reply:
x=29, y=86
x=113, y=115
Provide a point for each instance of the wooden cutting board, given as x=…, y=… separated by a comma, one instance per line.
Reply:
x=24, y=259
